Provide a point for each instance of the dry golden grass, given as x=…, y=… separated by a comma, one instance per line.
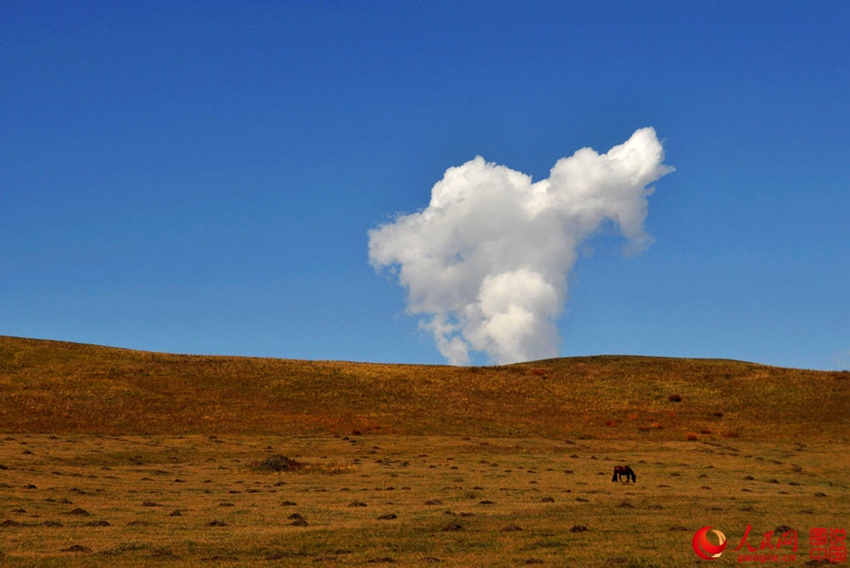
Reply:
x=111, y=457
x=53, y=387
x=83, y=500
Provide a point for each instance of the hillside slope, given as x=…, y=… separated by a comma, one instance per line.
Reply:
x=49, y=386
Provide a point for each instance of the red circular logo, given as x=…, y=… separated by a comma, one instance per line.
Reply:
x=704, y=548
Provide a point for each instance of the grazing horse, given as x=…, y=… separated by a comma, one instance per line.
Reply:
x=624, y=470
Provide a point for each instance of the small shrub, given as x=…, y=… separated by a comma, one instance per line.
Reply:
x=730, y=434
x=692, y=437
x=675, y=398
x=277, y=462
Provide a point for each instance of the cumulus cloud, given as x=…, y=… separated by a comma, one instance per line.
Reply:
x=486, y=264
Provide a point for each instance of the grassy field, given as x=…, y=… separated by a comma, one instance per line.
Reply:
x=123, y=458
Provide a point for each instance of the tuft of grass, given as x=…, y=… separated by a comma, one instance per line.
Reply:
x=277, y=463
x=281, y=464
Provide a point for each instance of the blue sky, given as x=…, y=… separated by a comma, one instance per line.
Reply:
x=200, y=177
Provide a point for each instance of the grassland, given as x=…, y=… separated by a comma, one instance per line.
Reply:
x=126, y=458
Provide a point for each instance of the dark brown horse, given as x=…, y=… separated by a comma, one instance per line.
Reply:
x=623, y=470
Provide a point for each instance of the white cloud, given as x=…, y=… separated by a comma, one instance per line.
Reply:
x=486, y=263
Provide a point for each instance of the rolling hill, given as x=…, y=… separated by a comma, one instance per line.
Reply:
x=51, y=387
